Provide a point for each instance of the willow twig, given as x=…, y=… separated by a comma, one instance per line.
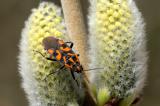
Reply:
x=77, y=32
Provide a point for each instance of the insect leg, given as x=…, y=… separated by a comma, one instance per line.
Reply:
x=71, y=44
x=74, y=78
x=44, y=56
x=54, y=72
x=51, y=59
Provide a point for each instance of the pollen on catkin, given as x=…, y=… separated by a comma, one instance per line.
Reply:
x=117, y=43
x=57, y=89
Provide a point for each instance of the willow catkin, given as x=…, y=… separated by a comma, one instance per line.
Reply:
x=57, y=89
x=117, y=43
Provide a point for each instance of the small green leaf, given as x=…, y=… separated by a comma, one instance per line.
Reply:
x=103, y=96
x=127, y=101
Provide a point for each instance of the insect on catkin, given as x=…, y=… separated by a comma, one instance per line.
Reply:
x=58, y=90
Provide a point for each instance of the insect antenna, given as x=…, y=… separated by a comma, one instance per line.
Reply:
x=39, y=53
x=93, y=69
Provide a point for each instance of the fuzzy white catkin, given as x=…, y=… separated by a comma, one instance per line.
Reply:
x=117, y=41
x=58, y=90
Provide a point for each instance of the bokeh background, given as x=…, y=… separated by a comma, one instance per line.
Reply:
x=13, y=13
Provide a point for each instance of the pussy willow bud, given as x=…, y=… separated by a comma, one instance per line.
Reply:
x=57, y=89
x=118, y=44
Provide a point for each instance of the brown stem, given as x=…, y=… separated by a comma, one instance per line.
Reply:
x=75, y=27
x=77, y=32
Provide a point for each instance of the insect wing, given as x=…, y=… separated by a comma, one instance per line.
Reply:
x=50, y=42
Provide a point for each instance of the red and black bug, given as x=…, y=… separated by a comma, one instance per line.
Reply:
x=63, y=53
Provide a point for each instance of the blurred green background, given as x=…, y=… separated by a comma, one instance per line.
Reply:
x=13, y=13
